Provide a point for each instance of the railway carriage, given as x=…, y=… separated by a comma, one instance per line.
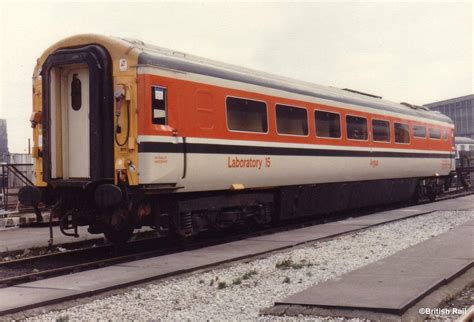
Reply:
x=127, y=134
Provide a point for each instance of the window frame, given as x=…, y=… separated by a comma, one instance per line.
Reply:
x=367, y=123
x=419, y=137
x=395, y=135
x=389, y=130
x=248, y=99
x=276, y=120
x=316, y=129
x=440, y=133
x=166, y=104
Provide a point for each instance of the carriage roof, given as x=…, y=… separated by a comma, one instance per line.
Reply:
x=149, y=55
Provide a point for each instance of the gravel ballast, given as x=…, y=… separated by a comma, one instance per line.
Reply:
x=240, y=291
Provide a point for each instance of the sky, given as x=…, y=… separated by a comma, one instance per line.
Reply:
x=417, y=52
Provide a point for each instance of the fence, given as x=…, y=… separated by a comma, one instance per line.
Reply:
x=24, y=164
x=14, y=174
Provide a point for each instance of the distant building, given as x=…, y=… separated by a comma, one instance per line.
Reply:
x=460, y=110
x=3, y=141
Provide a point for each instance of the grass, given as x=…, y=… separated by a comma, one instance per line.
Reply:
x=298, y=265
x=284, y=264
x=237, y=281
x=249, y=274
x=289, y=263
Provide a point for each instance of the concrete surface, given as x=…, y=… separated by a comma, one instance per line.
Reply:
x=13, y=218
x=436, y=299
x=463, y=203
x=23, y=238
x=304, y=234
x=392, y=284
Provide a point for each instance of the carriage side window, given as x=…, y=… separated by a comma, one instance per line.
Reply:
x=291, y=120
x=419, y=131
x=246, y=115
x=328, y=125
x=381, y=130
x=445, y=135
x=158, y=104
x=356, y=127
x=402, y=133
x=435, y=133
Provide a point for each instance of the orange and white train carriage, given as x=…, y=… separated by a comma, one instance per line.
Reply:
x=127, y=134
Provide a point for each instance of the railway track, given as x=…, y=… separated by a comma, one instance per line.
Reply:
x=33, y=268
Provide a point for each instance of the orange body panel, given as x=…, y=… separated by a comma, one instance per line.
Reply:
x=189, y=120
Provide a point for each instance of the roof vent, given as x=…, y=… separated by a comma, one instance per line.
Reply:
x=361, y=93
x=134, y=41
x=179, y=54
x=416, y=107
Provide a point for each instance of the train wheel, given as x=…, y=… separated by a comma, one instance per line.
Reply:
x=120, y=228
x=118, y=236
x=415, y=199
x=416, y=195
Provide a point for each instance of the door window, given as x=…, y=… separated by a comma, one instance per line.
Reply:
x=76, y=93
